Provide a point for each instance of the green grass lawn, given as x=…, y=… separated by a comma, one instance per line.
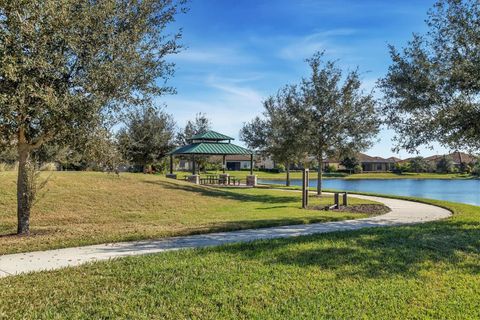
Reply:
x=425, y=271
x=80, y=208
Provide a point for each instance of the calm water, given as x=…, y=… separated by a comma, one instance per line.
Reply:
x=465, y=191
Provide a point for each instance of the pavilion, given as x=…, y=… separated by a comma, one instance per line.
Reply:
x=211, y=143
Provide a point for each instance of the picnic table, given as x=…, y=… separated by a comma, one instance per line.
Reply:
x=225, y=180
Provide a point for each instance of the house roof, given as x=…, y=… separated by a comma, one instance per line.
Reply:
x=211, y=148
x=364, y=158
x=395, y=159
x=211, y=136
x=457, y=157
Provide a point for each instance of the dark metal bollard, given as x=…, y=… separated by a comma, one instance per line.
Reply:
x=305, y=182
x=345, y=200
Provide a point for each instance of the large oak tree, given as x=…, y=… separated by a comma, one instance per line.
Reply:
x=338, y=116
x=278, y=133
x=66, y=66
x=147, y=137
x=432, y=89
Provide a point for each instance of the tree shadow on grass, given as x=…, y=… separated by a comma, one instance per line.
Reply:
x=227, y=194
x=375, y=252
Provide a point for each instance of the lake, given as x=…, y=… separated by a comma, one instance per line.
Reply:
x=465, y=191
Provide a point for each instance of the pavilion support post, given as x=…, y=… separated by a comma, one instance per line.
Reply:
x=251, y=164
x=194, y=178
x=224, y=163
x=194, y=166
x=171, y=174
x=251, y=179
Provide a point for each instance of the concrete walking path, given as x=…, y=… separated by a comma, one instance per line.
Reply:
x=402, y=212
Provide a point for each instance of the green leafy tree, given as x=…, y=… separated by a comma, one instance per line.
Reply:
x=419, y=164
x=431, y=91
x=199, y=125
x=68, y=66
x=278, y=133
x=337, y=115
x=147, y=137
x=465, y=167
x=445, y=165
x=476, y=168
x=401, y=167
x=96, y=150
x=350, y=162
x=7, y=153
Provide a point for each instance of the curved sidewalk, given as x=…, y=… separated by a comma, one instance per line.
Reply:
x=402, y=212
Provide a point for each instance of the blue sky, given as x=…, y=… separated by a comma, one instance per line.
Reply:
x=239, y=52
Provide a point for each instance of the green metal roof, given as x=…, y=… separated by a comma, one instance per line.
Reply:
x=211, y=135
x=211, y=148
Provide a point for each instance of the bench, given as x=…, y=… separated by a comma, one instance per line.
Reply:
x=336, y=197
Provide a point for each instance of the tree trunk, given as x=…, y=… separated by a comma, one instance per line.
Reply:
x=287, y=182
x=23, y=203
x=319, y=175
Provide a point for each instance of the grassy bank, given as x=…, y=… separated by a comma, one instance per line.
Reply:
x=408, y=175
x=80, y=208
x=420, y=271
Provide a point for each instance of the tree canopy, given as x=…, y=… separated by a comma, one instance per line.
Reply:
x=432, y=88
x=147, y=137
x=200, y=124
x=327, y=114
x=338, y=117
x=68, y=66
x=278, y=133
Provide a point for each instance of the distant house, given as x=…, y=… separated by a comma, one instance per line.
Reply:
x=457, y=157
x=238, y=162
x=263, y=161
x=376, y=164
x=368, y=163
x=332, y=162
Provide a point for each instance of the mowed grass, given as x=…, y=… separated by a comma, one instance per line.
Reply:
x=80, y=208
x=425, y=271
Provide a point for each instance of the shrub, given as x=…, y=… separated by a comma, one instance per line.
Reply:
x=465, y=168
x=280, y=167
x=445, y=165
x=330, y=168
x=357, y=169
x=418, y=164
x=401, y=167
x=476, y=169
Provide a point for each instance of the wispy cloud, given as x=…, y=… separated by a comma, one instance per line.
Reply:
x=302, y=47
x=226, y=102
x=229, y=87
x=212, y=55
